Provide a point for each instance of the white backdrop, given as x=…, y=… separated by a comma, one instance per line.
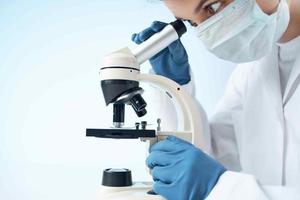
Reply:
x=50, y=53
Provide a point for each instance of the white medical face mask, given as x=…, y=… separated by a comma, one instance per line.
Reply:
x=242, y=32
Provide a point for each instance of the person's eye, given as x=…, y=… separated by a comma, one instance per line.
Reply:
x=213, y=8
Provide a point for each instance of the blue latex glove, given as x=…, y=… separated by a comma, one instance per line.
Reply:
x=181, y=171
x=172, y=62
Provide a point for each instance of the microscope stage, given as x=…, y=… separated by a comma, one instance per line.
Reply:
x=120, y=133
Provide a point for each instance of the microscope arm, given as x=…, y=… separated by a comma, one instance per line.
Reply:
x=193, y=130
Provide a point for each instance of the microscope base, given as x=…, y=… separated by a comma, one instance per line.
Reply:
x=139, y=191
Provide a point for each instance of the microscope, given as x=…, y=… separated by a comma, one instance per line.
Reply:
x=120, y=82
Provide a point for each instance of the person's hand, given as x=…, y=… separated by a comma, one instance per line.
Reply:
x=172, y=62
x=181, y=171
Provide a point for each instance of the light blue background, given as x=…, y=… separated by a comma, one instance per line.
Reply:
x=50, y=53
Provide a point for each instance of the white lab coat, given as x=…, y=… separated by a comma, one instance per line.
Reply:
x=255, y=133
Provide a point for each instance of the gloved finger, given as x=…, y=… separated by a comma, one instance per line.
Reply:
x=162, y=188
x=135, y=39
x=178, y=140
x=163, y=146
x=164, y=174
x=170, y=144
x=155, y=27
x=138, y=38
x=159, y=158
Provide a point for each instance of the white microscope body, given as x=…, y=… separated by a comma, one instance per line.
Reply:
x=123, y=67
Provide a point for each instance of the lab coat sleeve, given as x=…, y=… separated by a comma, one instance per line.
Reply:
x=237, y=186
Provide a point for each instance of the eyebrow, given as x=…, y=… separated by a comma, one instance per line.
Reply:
x=200, y=4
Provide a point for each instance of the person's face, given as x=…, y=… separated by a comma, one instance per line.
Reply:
x=197, y=11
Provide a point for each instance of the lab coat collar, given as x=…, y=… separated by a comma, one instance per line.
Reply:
x=293, y=81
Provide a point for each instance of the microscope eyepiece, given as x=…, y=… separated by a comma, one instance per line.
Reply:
x=159, y=41
x=179, y=26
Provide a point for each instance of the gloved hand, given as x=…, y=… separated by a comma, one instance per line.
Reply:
x=172, y=62
x=181, y=171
